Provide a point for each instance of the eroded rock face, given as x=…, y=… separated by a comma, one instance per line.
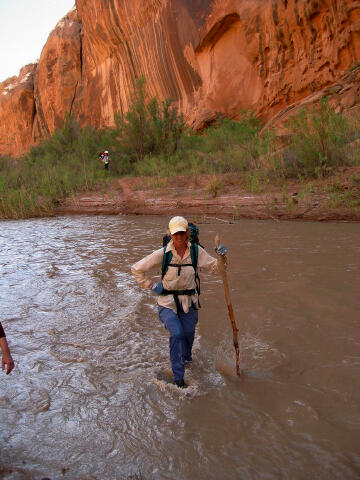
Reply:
x=265, y=55
x=123, y=41
x=218, y=56
x=17, y=109
x=211, y=56
x=57, y=78
x=34, y=104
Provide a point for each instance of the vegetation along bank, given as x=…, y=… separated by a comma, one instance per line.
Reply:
x=229, y=170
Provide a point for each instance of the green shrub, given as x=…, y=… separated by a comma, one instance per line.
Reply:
x=147, y=128
x=226, y=133
x=226, y=146
x=62, y=164
x=318, y=141
x=214, y=187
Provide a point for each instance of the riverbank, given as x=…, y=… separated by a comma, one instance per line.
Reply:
x=232, y=169
x=227, y=196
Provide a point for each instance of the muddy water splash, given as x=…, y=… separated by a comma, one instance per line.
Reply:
x=86, y=399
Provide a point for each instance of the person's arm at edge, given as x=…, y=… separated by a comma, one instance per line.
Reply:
x=207, y=262
x=6, y=355
x=140, y=268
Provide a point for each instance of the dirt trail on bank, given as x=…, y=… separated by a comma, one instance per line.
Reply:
x=219, y=197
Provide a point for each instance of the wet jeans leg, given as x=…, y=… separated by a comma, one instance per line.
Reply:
x=188, y=321
x=182, y=331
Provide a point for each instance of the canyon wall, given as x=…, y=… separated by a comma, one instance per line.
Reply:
x=210, y=56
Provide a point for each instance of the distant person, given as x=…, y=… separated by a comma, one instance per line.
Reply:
x=178, y=292
x=6, y=355
x=105, y=159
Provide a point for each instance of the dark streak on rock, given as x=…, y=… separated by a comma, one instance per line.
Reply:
x=261, y=49
x=275, y=14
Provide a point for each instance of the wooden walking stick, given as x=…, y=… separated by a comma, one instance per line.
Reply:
x=223, y=262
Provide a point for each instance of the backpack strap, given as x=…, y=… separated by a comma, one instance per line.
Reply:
x=166, y=262
x=194, y=253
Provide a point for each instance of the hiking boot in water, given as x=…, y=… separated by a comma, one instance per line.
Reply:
x=180, y=383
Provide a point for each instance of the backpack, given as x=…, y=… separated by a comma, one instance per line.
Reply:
x=194, y=253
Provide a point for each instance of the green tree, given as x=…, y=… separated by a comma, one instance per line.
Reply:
x=319, y=138
x=147, y=128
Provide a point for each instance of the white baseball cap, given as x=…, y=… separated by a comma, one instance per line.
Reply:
x=178, y=224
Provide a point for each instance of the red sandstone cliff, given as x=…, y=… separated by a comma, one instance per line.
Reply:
x=211, y=56
x=17, y=109
x=34, y=104
x=57, y=78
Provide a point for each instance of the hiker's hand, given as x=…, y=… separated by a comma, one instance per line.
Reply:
x=221, y=250
x=157, y=288
x=8, y=362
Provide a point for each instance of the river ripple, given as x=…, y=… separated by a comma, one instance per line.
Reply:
x=85, y=399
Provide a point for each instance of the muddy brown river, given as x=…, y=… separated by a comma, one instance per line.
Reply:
x=86, y=399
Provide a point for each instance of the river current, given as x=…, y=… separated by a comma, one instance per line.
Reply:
x=87, y=399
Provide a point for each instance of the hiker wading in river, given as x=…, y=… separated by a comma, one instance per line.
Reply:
x=178, y=292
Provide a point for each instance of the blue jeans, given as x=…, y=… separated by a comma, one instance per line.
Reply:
x=181, y=327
